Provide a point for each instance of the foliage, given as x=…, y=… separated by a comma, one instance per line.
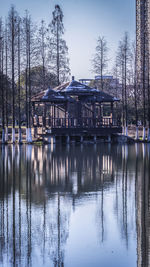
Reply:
x=36, y=79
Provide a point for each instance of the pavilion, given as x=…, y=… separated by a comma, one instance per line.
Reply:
x=75, y=109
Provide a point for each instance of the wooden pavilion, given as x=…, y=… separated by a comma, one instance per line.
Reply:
x=75, y=109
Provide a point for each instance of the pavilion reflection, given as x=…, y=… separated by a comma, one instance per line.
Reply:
x=77, y=170
x=38, y=179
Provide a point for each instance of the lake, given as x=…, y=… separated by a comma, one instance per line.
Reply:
x=75, y=206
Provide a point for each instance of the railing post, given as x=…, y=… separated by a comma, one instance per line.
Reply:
x=112, y=111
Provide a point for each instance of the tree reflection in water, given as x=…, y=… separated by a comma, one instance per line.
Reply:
x=143, y=206
x=41, y=186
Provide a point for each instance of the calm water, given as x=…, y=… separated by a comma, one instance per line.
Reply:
x=75, y=206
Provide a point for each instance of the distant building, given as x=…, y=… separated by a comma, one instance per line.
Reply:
x=85, y=81
x=107, y=77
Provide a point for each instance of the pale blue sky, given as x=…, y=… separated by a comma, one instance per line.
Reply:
x=84, y=21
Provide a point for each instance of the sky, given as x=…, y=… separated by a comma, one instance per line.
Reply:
x=84, y=22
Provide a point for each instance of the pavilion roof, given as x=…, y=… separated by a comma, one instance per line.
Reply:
x=100, y=97
x=75, y=88
x=66, y=91
x=50, y=95
x=84, y=92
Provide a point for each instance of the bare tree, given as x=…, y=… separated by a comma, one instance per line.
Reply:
x=26, y=71
x=126, y=50
x=12, y=22
x=143, y=83
x=136, y=97
x=6, y=70
x=123, y=60
x=120, y=63
x=100, y=59
x=58, y=50
x=116, y=93
x=42, y=40
x=2, y=78
x=19, y=83
x=29, y=52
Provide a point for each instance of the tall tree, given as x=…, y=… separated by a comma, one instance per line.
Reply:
x=123, y=57
x=42, y=50
x=100, y=59
x=19, y=85
x=136, y=89
x=120, y=63
x=2, y=78
x=6, y=73
x=12, y=22
x=58, y=50
x=116, y=93
x=29, y=34
x=148, y=134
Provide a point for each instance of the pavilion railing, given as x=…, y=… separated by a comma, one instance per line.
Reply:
x=84, y=122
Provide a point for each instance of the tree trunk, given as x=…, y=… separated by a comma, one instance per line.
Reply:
x=123, y=117
x=6, y=89
x=125, y=91
x=101, y=66
x=2, y=83
x=135, y=102
x=26, y=100
x=58, y=82
x=19, y=98
x=13, y=77
x=29, y=54
x=148, y=134
x=144, y=89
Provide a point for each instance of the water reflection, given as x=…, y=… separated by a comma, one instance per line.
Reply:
x=43, y=189
x=143, y=207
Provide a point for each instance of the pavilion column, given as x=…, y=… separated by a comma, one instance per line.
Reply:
x=65, y=113
x=52, y=108
x=79, y=113
x=33, y=113
x=50, y=116
x=112, y=112
x=44, y=115
x=34, y=120
x=101, y=119
x=94, y=117
x=58, y=111
x=54, y=115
